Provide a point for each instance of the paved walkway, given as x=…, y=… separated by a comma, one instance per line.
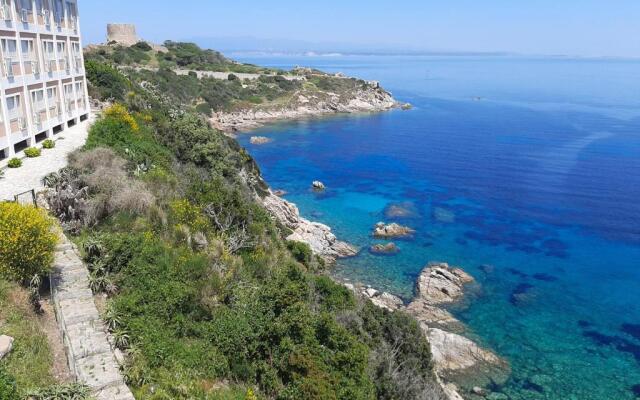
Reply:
x=91, y=358
x=30, y=175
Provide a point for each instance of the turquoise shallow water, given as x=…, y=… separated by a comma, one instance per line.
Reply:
x=525, y=172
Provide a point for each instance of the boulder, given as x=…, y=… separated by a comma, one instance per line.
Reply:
x=258, y=140
x=385, y=249
x=459, y=359
x=381, y=230
x=6, y=344
x=434, y=316
x=441, y=284
x=279, y=192
x=317, y=185
x=383, y=300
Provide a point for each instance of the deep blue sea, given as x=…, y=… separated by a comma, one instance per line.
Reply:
x=523, y=171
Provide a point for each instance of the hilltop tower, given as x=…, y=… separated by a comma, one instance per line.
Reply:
x=124, y=34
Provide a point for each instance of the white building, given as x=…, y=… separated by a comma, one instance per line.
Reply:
x=42, y=79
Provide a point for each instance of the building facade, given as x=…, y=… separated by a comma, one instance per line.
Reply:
x=43, y=88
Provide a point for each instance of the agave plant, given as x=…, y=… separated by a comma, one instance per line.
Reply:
x=121, y=339
x=111, y=318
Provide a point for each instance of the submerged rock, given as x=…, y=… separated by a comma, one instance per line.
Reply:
x=401, y=210
x=385, y=249
x=392, y=230
x=443, y=215
x=258, y=140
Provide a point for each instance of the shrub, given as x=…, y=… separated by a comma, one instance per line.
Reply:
x=107, y=81
x=60, y=392
x=48, y=144
x=120, y=112
x=27, y=242
x=142, y=46
x=300, y=251
x=15, y=163
x=8, y=390
x=32, y=152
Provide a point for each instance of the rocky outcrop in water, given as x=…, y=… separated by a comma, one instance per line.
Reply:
x=318, y=236
x=259, y=140
x=457, y=358
x=382, y=230
x=317, y=185
x=441, y=284
x=384, y=249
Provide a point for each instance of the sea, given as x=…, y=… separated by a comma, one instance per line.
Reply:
x=523, y=171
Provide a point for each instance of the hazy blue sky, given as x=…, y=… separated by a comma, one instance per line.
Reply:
x=575, y=27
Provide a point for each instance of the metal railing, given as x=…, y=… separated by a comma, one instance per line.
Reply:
x=26, y=198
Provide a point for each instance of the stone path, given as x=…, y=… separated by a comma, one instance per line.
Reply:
x=90, y=355
x=30, y=175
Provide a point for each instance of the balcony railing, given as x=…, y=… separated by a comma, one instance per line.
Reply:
x=31, y=66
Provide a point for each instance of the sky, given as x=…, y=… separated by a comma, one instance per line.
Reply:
x=533, y=27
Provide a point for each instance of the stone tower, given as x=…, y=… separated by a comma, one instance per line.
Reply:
x=124, y=34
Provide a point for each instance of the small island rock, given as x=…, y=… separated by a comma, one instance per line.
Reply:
x=258, y=140
x=317, y=185
x=391, y=230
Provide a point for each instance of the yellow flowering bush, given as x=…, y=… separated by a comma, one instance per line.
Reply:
x=120, y=112
x=190, y=215
x=27, y=242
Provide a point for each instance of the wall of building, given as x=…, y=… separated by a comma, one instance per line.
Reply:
x=43, y=88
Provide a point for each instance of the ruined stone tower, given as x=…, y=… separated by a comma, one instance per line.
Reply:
x=124, y=34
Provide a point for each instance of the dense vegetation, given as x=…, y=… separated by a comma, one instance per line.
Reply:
x=171, y=55
x=157, y=71
x=205, y=297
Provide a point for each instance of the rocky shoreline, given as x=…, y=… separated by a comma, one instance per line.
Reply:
x=461, y=365
x=318, y=236
x=369, y=99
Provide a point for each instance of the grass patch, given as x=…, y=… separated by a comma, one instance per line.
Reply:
x=31, y=360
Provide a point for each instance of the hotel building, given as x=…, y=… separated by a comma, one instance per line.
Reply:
x=42, y=78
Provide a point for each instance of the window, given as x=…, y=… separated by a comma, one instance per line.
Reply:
x=47, y=49
x=9, y=48
x=37, y=100
x=58, y=11
x=5, y=9
x=27, y=5
x=27, y=49
x=14, y=106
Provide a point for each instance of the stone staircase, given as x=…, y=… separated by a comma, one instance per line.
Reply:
x=89, y=354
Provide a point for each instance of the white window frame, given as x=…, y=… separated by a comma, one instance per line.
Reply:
x=17, y=101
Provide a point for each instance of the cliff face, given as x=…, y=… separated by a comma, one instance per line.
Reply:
x=307, y=102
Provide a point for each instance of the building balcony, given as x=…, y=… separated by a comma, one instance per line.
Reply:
x=19, y=128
